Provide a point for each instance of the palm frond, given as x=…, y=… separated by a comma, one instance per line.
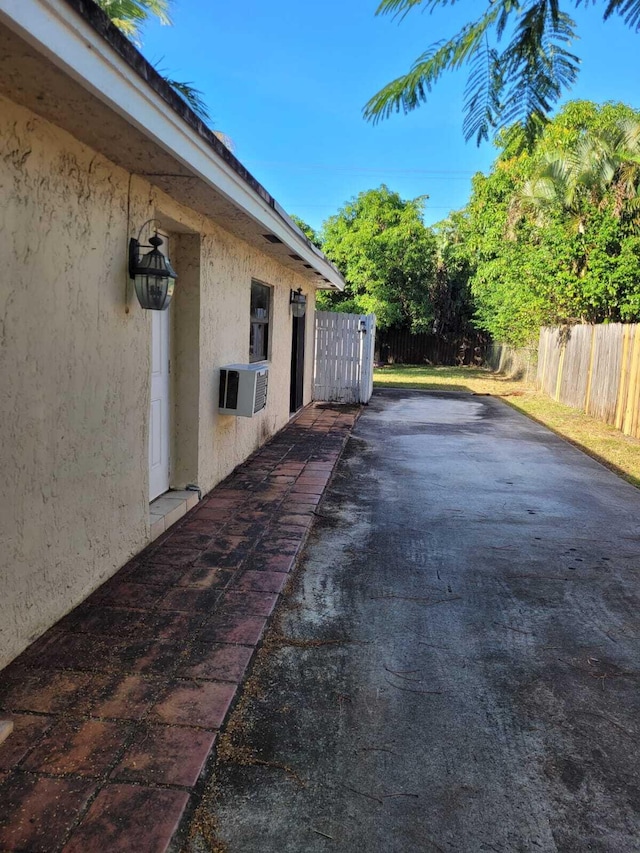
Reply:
x=401, y=8
x=600, y=171
x=135, y=12
x=538, y=65
x=521, y=84
x=406, y=93
x=629, y=11
x=482, y=94
x=128, y=28
x=409, y=91
x=630, y=136
x=192, y=96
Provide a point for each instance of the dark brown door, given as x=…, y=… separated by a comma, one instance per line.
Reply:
x=297, y=364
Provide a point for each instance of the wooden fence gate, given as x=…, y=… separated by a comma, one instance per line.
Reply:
x=345, y=343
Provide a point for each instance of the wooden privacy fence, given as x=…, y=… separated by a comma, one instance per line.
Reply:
x=594, y=368
x=344, y=357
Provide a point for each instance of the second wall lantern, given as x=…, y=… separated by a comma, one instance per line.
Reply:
x=154, y=277
x=298, y=302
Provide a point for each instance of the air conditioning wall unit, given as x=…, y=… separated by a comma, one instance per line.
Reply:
x=243, y=389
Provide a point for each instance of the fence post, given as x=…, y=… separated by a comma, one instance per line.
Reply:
x=592, y=355
x=633, y=398
x=367, y=347
x=541, y=374
x=563, y=352
x=623, y=383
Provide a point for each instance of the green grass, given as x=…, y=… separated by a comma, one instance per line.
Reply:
x=608, y=445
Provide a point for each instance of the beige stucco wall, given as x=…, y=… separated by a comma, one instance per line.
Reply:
x=228, y=268
x=74, y=367
x=210, y=322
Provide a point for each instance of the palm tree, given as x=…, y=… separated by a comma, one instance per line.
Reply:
x=129, y=16
x=520, y=82
x=599, y=173
x=602, y=169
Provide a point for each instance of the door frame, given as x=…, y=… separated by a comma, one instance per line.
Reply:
x=296, y=388
x=161, y=335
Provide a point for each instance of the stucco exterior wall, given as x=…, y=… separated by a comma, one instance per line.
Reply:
x=211, y=311
x=228, y=268
x=74, y=367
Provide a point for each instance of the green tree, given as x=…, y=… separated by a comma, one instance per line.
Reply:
x=387, y=256
x=517, y=81
x=450, y=294
x=309, y=232
x=600, y=169
x=550, y=233
x=511, y=279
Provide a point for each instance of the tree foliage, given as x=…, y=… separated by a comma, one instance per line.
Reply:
x=130, y=15
x=519, y=58
x=552, y=235
x=388, y=257
x=310, y=233
x=451, y=300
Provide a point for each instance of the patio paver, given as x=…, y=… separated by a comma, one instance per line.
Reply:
x=117, y=708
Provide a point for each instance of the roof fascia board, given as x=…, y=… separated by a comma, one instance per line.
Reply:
x=57, y=32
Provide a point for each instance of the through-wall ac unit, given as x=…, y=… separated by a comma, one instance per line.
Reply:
x=243, y=389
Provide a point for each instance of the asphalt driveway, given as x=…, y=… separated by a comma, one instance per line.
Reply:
x=456, y=666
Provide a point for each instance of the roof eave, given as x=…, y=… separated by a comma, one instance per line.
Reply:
x=90, y=50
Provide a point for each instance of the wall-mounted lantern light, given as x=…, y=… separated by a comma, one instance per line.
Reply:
x=298, y=302
x=153, y=275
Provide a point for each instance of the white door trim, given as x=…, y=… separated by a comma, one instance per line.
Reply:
x=159, y=415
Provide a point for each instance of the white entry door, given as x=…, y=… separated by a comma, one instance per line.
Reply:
x=159, y=420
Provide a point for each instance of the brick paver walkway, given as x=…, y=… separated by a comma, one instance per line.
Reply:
x=117, y=707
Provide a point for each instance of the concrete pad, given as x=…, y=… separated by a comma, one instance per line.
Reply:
x=456, y=668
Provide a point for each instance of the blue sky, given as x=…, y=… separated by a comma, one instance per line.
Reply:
x=287, y=82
